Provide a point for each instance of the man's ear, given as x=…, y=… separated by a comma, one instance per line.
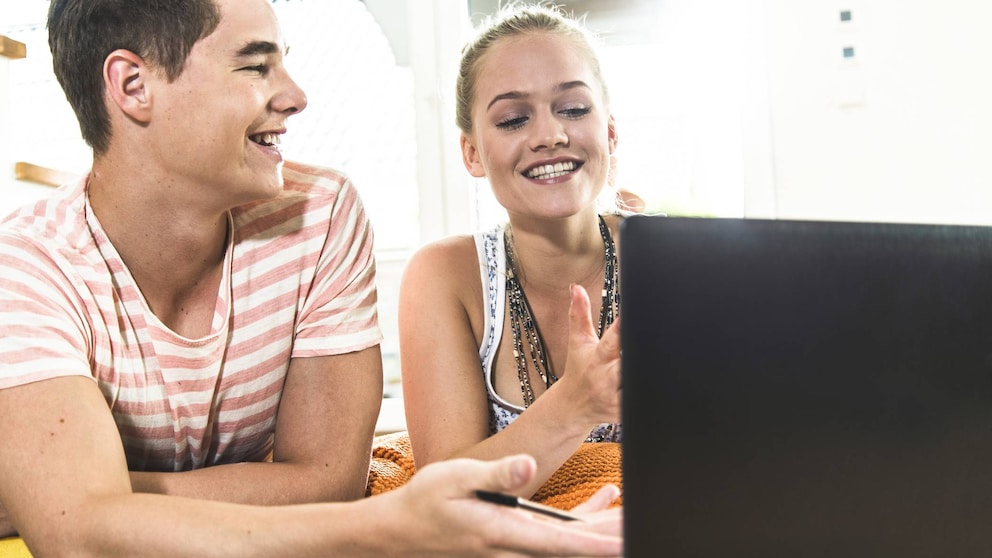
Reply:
x=125, y=76
x=470, y=157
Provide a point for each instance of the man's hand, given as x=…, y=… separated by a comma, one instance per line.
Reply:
x=440, y=515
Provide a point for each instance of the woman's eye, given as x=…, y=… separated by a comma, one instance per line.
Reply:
x=576, y=112
x=511, y=123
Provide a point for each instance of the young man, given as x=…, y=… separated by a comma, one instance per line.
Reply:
x=194, y=305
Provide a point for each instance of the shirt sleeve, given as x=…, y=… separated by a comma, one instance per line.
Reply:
x=43, y=333
x=339, y=315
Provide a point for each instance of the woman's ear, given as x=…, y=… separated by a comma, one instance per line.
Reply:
x=612, y=137
x=470, y=157
x=125, y=77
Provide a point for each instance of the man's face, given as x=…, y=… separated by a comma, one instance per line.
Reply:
x=219, y=123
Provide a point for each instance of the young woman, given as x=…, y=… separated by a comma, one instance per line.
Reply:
x=535, y=300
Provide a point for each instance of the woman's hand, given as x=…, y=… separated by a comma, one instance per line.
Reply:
x=592, y=371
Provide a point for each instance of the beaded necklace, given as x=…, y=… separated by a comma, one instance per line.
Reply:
x=524, y=326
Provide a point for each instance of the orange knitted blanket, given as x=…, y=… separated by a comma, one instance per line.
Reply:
x=591, y=467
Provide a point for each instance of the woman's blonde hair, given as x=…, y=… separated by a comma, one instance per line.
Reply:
x=514, y=19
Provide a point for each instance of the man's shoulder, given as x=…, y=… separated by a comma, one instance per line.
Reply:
x=56, y=219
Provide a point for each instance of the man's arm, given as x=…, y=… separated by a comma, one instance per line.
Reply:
x=6, y=527
x=64, y=480
x=323, y=440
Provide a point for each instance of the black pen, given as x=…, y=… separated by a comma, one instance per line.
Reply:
x=515, y=502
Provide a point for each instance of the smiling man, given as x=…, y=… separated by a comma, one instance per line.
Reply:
x=195, y=305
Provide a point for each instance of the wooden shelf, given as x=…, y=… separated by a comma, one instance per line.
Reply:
x=42, y=175
x=12, y=49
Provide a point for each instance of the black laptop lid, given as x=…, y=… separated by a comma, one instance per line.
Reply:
x=806, y=388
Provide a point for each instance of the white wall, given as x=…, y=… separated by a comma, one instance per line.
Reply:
x=13, y=193
x=6, y=164
x=750, y=109
x=903, y=132
x=757, y=110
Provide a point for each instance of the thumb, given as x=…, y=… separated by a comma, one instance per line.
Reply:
x=510, y=473
x=461, y=477
x=580, y=326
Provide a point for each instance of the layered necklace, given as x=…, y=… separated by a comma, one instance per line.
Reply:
x=528, y=348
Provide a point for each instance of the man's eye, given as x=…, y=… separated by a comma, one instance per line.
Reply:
x=261, y=69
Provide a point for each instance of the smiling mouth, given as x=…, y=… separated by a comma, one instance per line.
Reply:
x=265, y=140
x=551, y=171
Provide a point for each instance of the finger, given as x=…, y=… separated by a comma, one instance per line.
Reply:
x=542, y=537
x=450, y=486
x=609, y=345
x=520, y=531
x=580, y=324
x=461, y=478
x=600, y=534
x=601, y=500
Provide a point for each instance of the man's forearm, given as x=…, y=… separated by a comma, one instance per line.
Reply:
x=259, y=483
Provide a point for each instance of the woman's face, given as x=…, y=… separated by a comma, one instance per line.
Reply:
x=541, y=131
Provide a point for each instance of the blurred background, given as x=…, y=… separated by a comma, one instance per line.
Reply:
x=845, y=110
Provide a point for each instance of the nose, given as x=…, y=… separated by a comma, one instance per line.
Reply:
x=291, y=98
x=549, y=132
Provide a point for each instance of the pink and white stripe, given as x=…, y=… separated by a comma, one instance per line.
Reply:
x=299, y=282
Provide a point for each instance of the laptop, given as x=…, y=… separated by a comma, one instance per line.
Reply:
x=806, y=388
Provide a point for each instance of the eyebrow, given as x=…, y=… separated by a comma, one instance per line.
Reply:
x=258, y=47
x=510, y=95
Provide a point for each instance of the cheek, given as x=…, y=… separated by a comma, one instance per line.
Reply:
x=506, y=150
x=601, y=143
x=494, y=155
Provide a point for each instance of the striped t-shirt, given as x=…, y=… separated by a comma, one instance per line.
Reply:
x=299, y=281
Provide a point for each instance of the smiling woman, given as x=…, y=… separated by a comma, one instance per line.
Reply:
x=515, y=330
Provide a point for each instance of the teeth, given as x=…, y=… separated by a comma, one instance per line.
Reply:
x=551, y=171
x=267, y=139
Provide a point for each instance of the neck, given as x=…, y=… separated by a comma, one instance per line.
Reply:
x=523, y=320
x=171, y=247
x=131, y=216
x=553, y=257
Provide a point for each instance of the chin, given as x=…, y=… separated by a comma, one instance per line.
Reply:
x=269, y=183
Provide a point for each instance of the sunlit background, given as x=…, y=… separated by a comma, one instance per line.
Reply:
x=848, y=110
